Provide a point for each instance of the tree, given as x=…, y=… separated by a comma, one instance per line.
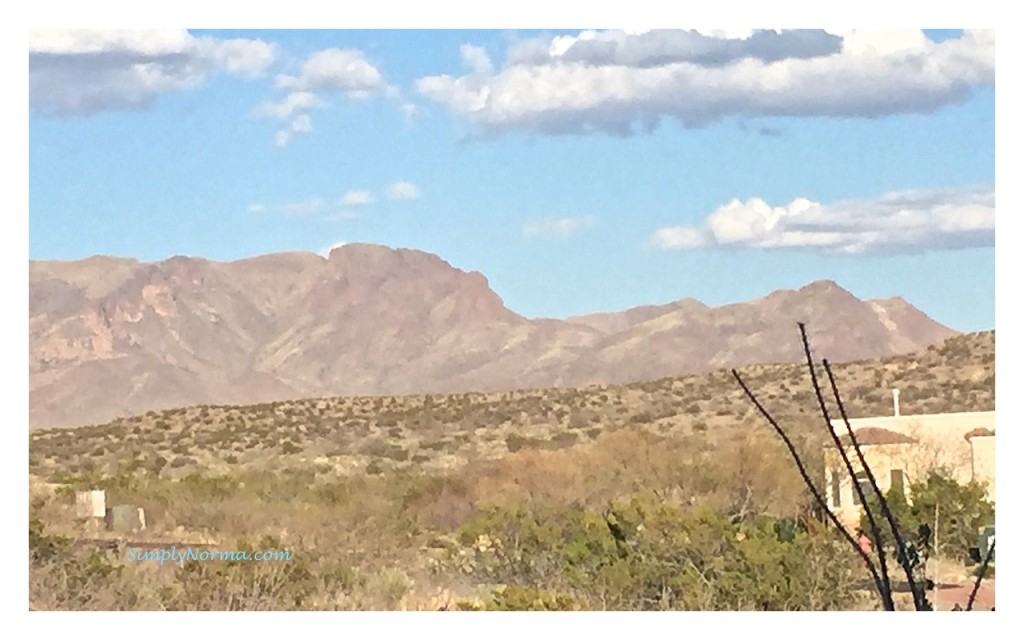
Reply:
x=962, y=511
x=898, y=506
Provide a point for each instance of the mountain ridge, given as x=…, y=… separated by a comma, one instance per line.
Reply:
x=115, y=336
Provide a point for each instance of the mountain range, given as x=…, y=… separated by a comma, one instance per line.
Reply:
x=111, y=337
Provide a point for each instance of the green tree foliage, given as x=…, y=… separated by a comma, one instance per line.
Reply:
x=962, y=510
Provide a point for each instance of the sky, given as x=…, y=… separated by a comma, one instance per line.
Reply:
x=579, y=170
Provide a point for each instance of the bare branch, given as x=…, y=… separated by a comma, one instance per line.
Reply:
x=810, y=485
x=887, y=586
x=981, y=574
x=920, y=600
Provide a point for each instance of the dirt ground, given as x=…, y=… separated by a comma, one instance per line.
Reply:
x=948, y=596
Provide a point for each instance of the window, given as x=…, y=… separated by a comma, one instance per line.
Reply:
x=896, y=481
x=836, y=496
x=865, y=487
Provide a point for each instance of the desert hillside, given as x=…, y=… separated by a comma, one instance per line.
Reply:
x=115, y=337
x=482, y=500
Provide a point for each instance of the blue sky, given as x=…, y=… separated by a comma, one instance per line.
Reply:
x=579, y=171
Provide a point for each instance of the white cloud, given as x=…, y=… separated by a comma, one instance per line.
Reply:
x=77, y=73
x=613, y=81
x=302, y=124
x=329, y=70
x=298, y=101
x=403, y=191
x=680, y=238
x=248, y=58
x=345, y=70
x=895, y=222
x=151, y=42
x=356, y=198
x=281, y=138
x=557, y=227
x=334, y=210
x=409, y=111
x=476, y=59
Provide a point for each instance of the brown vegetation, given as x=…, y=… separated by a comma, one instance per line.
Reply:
x=383, y=500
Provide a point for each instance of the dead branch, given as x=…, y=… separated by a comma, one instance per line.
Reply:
x=812, y=488
x=981, y=574
x=920, y=600
x=886, y=592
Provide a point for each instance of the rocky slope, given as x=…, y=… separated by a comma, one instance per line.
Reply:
x=111, y=337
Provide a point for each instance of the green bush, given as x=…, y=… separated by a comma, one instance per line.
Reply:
x=663, y=557
x=962, y=511
x=516, y=597
x=515, y=442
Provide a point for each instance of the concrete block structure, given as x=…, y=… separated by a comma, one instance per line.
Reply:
x=125, y=518
x=90, y=504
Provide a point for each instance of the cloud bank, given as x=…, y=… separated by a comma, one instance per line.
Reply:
x=894, y=223
x=620, y=82
x=79, y=73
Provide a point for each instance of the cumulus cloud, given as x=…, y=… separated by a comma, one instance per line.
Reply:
x=617, y=81
x=284, y=109
x=343, y=71
x=300, y=124
x=661, y=47
x=895, y=222
x=403, y=191
x=78, y=73
x=476, y=59
x=557, y=227
x=356, y=198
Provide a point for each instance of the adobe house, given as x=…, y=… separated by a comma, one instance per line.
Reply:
x=902, y=448
x=887, y=453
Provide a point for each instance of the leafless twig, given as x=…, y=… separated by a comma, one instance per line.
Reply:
x=810, y=484
x=920, y=600
x=886, y=586
x=981, y=574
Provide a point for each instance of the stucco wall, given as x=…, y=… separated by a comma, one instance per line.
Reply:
x=984, y=459
x=940, y=437
x=940, y=443
x=882, y=459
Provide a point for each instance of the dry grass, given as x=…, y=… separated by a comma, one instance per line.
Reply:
x=366, y=490
x=435, y=433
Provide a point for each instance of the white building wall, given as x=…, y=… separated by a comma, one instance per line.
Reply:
x=940, y=437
